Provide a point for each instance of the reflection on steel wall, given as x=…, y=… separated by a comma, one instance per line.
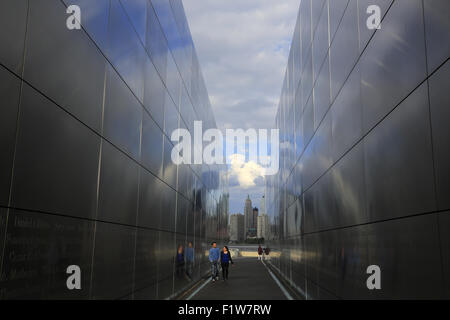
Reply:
x=85, y=175
x=365, y=160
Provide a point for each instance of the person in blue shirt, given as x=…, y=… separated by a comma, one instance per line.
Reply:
x=214, y=257
x=225, y=260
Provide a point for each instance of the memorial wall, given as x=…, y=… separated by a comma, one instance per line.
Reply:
x=86, y=177
x=365, y=164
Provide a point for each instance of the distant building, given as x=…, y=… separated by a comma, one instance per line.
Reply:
x=262, y=205
x=263, y=220
x=263, y=226
x=252, y=224
x=248, y=214
x=255, y=218
x=236, y=228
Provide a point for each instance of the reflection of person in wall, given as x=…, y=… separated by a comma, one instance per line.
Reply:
x=225, y=259
x=214, y=256
x=189, y=259
x=179, y=263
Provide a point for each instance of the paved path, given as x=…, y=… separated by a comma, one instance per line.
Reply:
x=248, y=280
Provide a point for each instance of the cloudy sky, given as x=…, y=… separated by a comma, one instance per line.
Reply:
x=243, y=46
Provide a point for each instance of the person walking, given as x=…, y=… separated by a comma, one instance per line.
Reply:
x=260, y=252
x=189, y=259
x=225, y=260
x=214, y=257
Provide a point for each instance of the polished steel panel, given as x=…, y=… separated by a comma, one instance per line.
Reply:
x=444, y=234
x=171, y=116
x=346, y=114
x=166, y=267
x=63, y=64
x=349, y=188
x=137, y=13
x=374, y=170
x=150, y=200
x=13, y=15
x=191, y=222
x=322, y=156
x=156, y=43
x=9, y=95
x=365, y=33
x=320, y=42
x=398, y=161
x=168, y=207
x=173, y=81
x=327, y=271
x=169, y=168
x=152, y=145
x=407, y=252
x=146, y=264
x=56, y=162
x=113, y=261
x=387, y=75
x=308, y=122
x=307, y=166
x=3, y=221
x=344, y=48
x=40, y=247
x=85, y=155
x=322, y=93
x=125, y=50
x=318, y=7
x=305, y=27
x=307, y=80
x=440, y=117
x=154, y=93
x=437, y=32
x=336, y=11
x=352, y=262
x=324, y=203
x=298, y=119
x=118, y=188
x=94, y=20
x=122, y=115
x=310, y=217
x=181, y=218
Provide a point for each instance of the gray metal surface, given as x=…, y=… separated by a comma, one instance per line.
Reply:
x=86, y=118
x=373, y=166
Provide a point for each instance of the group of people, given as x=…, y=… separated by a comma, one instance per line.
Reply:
x=184, y=261
x=217, y=257
x=263, y=253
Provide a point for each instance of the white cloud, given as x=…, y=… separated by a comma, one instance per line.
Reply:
x=245, y=173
